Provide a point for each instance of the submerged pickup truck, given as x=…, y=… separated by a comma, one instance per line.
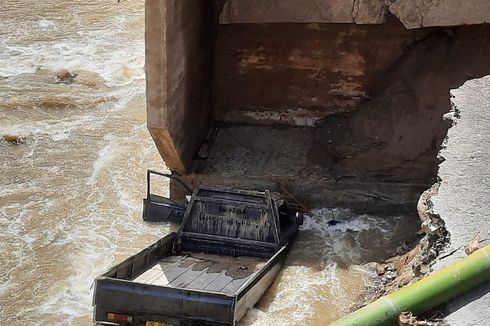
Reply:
x=230, y=246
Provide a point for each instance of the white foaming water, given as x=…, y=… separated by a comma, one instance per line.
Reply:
x=104, y=157
x=347, y=221
x=56, y=129
x=44, y=23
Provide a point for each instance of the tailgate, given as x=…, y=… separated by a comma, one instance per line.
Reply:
x=139, y=300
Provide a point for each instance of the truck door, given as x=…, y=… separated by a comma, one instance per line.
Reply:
x=158, y=207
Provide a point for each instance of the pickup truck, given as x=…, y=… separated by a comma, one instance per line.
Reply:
x=229, y=248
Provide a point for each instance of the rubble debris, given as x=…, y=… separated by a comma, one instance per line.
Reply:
x=414, y=264
x=333, y=222
x=408, y=319
x=64, y=76
x=474, y=245
x=14, y=140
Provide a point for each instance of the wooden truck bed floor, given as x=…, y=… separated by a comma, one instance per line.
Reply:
x=205, y=272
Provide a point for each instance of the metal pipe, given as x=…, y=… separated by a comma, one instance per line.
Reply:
x=426, y=294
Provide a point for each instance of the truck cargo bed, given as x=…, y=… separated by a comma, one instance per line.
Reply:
x=200, y=271
x=229, y=248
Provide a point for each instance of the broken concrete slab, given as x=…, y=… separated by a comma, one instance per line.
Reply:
x=313, y=11
x=412, y=13
x=425, y=13
x=464, y=191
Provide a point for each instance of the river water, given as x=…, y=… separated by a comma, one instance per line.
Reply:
x=74, y=149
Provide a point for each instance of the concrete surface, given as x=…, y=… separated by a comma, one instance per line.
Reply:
x=321, y=11
x=412, y=13
x=299, y=70
x=178, y=70
x=463, y=198
x=424, y=13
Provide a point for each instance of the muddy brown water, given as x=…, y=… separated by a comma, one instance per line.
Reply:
x=74, y=150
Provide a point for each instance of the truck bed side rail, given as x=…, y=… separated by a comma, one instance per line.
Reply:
x=137, y=264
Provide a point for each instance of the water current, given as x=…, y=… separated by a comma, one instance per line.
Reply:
x=74, y=149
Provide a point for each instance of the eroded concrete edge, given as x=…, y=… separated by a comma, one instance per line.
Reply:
x=463, y=200
x=455, y=208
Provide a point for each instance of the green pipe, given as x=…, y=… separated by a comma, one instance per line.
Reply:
x=426, y=294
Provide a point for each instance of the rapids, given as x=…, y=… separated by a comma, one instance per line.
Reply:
x=74, y=152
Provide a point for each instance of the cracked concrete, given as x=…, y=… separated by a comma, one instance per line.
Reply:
x=412, y=13
x=464, y=192
x=425, y=13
